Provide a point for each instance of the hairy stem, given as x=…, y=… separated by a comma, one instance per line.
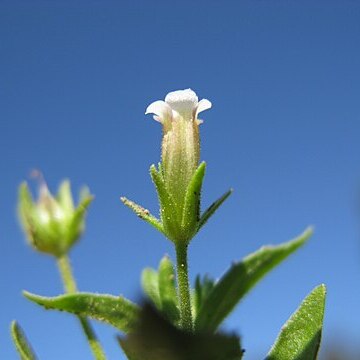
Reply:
x=183, y=284
x=70, y=287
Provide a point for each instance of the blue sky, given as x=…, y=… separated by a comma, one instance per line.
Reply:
x=284, y=130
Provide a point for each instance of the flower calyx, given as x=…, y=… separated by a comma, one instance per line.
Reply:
x=52, y=224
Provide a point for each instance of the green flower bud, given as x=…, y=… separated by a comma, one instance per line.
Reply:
x=180, y=154
x=52, y=224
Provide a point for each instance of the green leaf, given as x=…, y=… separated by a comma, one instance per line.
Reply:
x=203, y=288
x=300, y=337
x=113, y=310
x=212, y=208
x=167, y=290
x=143, y=213
x=150, y=285
x=191, y=211
x=22, y=345
x=154, y=338
x=240, y=278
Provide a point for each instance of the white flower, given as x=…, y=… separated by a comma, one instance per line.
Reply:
x=180, y=144
x=178, y=104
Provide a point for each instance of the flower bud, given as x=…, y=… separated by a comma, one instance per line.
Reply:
x=180, y=152
x=52, y=224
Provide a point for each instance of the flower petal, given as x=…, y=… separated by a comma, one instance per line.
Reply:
x=203, y=105
x=160, y=109
x=184, y=102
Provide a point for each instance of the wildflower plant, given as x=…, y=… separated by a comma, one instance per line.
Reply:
x=177, y=321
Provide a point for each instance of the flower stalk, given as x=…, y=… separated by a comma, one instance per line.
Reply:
x=70, y=287
x=183, y=287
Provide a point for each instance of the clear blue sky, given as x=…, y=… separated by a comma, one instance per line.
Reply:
x=284, y=132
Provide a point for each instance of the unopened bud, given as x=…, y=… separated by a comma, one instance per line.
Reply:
x=52, y=224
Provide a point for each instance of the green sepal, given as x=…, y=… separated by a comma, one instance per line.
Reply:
x=84, y=193
x=77, y=224
x=167, y=290
x=22, y=345
x=206, y=215
x=25, y=210
x=191, y=210
x=114, y=310
x=150, y=285
x=82, y=207
x=64, y=196
x=169, y=212
x=25, y=204
x=42, y=237
x=240, y=278
x=154, y=338
x=143, y=214
x=300, y=337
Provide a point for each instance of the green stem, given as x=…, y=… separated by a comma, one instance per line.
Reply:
x=183, y=284
x=70, y=287
x=66, y=274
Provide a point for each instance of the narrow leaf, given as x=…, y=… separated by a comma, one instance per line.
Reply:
x=22, y=345
x=240, y=278
x=167, y=290
x=191, y=211
x=212, y=208
x=114, y=310
x=150, y=285
x=300, y=337
x=203, y=288
x=154, y=338
x=143, y=213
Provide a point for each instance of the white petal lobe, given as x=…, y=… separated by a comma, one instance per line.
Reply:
x=160, y=108
x=203, y=105
x=180, y=104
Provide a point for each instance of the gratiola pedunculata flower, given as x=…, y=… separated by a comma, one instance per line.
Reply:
x=180, y=144
x=52, y=224
x=180, y=154
x=178, y=177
